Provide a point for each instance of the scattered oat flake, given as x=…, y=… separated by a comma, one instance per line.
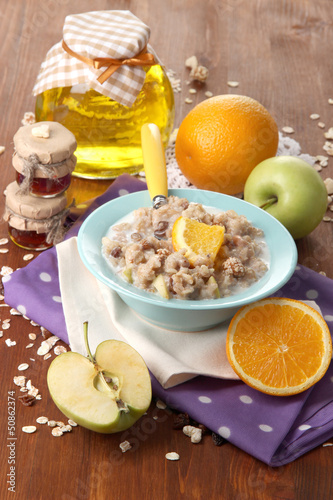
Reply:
x=51, y=423
x=42, y=420
x=329, y=185
x=125, y=446
x=191, y=62
x=57, y=432
x=233, y=84
x=33, y=392
x=200, y=73
x=72, y=423
x=161, y=405
x=314, y=116
x=33, y=323
x=19, y=380
x=5, y=325
x=321, y=124
x=66, y=428
x=6, y=270
x=188, y=100
x=22, y=367
x=10, y=343
x=41, y=131
x=59, y=349
x=329, y=133
x=327, y=219
x=3, y=241
x=1, y=333
x=28, y=118
x=195, y=433
x=327, y=444
x=208, y=93
x=2, y=149
x=330, y=101
x=52, y=340
x=28, y=346
x=15, y=312
x=28, y=256
x=4, y=250
x=29, y=429
x=192, y=91
x=39, y=396
x=172, y=455
x=32, y=336
x=47, y=356
x=288, y=130
x=44, y=348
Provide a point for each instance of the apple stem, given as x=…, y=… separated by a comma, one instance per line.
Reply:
x=85, y=330
x=268, y=203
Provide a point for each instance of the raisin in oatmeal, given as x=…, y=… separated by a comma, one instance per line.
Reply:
x=139, y=249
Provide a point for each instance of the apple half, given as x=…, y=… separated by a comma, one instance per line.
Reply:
x=107, y=393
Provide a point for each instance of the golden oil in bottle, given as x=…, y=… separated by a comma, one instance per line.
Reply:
x=108, y=134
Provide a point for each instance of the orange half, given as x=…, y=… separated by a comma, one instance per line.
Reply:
x=279, y=346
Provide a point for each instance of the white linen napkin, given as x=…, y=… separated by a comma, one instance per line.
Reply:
x=172, y=357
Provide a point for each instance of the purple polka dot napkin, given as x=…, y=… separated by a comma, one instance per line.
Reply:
x=273, y=429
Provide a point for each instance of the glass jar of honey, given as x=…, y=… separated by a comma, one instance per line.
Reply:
x=44, y=158
x=47, y=181
x=34, y=223
x=104, y=93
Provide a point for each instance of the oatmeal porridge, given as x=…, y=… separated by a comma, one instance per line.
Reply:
x=139, y=248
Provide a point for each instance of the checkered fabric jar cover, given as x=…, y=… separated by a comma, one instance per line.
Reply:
x=100, y=36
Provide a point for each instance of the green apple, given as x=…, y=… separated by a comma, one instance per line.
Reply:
x=289, y=189
x=107, y=393
x=160, y=285
x=127, y=273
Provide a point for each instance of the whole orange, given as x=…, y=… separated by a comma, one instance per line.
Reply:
x=222, y=139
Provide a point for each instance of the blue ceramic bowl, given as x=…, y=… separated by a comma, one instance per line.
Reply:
x=187, y=315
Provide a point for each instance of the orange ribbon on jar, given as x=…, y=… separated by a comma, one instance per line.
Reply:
x=144, y=58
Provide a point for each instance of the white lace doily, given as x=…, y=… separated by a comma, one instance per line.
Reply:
x=287, y=146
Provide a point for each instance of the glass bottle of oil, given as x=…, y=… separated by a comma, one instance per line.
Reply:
x=108, y=133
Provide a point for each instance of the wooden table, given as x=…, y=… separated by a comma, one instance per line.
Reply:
x=280, y=53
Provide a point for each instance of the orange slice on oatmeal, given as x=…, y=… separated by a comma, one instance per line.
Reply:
x=279, y=346
x=197, y=238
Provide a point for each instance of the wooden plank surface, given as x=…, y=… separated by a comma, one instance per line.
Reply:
x=280, y=52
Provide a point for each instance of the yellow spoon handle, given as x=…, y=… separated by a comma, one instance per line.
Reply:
x=154, y=160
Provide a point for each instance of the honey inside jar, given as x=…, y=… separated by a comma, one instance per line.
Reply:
x=29, y=240
x=107, y=132
x=46, y=187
